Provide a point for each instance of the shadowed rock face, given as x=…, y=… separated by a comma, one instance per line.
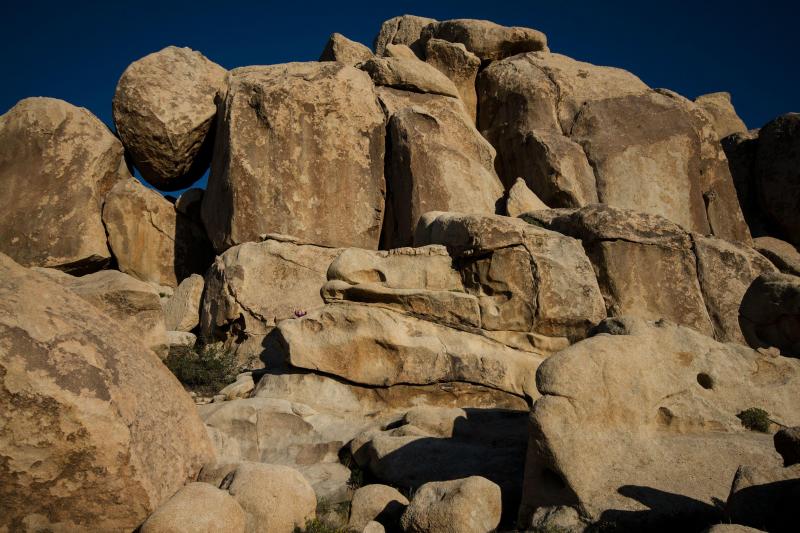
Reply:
x=164, y=113
x=95, y=431
x=299, y=152
x=57, y=162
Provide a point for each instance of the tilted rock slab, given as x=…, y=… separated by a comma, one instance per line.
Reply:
x=650, y=150
x=96, y=433
x=409, y=74
x=340, y=48
x=164, y=112
x=438, y=162
x=150, y=239
x=374, y=346
x=461, y=66
x=639, y=426
x=182, y=309
x=57, y=162
x=292, y=138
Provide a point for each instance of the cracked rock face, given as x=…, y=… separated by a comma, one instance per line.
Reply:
x=150, y=240
x=164, y=113
x=57, y=162
x=291, y=139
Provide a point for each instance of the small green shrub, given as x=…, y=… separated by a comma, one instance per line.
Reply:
x=203, y=369
x=318, y=526
x=755, y=419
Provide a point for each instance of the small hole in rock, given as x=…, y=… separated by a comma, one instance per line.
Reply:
x=705, y=381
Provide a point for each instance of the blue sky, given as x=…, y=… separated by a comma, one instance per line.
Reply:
x=77, y=50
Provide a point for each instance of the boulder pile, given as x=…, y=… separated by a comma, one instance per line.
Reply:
x=457, y=283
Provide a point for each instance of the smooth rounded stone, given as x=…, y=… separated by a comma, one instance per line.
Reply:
x=487, y=40
x=182, y=310
x=241, y=388
x=197, y=508
x=70, y=160
x=764, y=496
x=520, y=199
x=238, y=301
x=777, y=175
x=438, y=162
x=150, y=240
x=405, y=29
x=558, y=518
x=182, y=339
x=470, y=505
x=376, y=503
x=732, y=528
x=454, y=61
x=409, y=74
x=657, y=405
x=423, y=267
x=164, y=113
x=96, y=430
x=133, y=303
x=770, y=313
x=782, y=254
x=439, y=421
x=721, y=113
x=725, y=271
x=330, y=481
x=373, y=527
x=787, y=443
x=300, y=150
x=340, y=48
x=275, y=498
x=374, y=346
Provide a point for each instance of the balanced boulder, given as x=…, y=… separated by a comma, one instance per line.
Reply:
x=164, y=111
x=405, y=29
x=57, y=162
x=487, y=40
x=340, y=48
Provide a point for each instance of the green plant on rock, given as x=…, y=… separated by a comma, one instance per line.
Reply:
x=203, y=369
x=755, y=419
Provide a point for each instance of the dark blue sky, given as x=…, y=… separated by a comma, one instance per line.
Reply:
x=77, y=50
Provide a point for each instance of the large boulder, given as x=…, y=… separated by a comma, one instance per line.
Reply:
x=96, y=432
x=721, y=113
x=197, y=508
x=769, y=314
x=438, y=162
x=164, y=113
x=777, y=174
x=471, y=505
x=527, y=279
x=374, y=346
x=487, y=40
x=376, y=502
x=405, y=29
x=649, y=150
x=133, y=303
x=461, y=66
x=299, y=151
x=340, y=48
x=150, y=239
x=638, y=425
x=57, y=162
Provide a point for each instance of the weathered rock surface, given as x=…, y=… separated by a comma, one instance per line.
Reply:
x=291, y=137
x=787, y=443
x=527, y=278
x=777, y=174
x=765, y=497
x=197, y=508
x=374, y=346
x=150, y=240
x=57, y=162
x=521, y=200
x=409, y=74
x=438, y=162
x=770, y=313
x=133, y=303
x=182, y=309
x=471, y=505
x=275, y=498
x=238, y=300
x=164, y=113
x=731, y=528
x=487, y=40
x=405, y=29
x=721, y=113
x=96, y=433
x=782, y=254
x=379, y=503
x=454, y=61
x=340, y=48
x=659, y=437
